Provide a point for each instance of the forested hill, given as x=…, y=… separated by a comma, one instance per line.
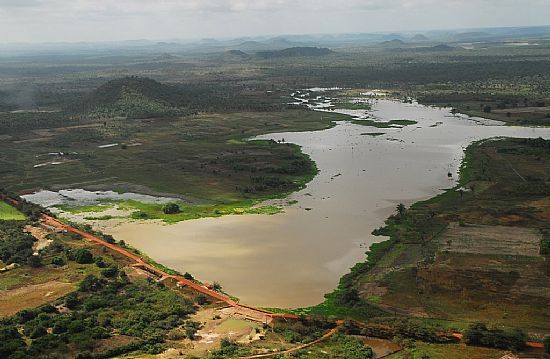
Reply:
x=114, y=90
x=141, y=97
x=132, y=97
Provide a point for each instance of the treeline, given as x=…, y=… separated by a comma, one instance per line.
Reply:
x=478, y=334
x=406, y=71
x=12, y=123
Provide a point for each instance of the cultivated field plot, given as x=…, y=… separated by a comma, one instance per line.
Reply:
x=8, y=213
x=500, y=240
x=12, y=301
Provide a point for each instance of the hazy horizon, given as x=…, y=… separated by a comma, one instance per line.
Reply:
x=41, y=21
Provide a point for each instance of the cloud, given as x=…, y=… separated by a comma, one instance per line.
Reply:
x=98, y=19
x=95, y=7
x=6, y=4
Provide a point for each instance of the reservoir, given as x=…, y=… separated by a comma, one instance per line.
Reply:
x=292, y=259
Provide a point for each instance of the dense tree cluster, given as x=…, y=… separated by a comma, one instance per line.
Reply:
x=479, y=334
x=102, y=307
x=15, y=245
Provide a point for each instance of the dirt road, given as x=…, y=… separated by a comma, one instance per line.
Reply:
x=246, y=311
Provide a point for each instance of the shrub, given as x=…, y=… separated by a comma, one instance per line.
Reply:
x=58, y=261
x=91, y=284
x=34, y=261
x=108, y=238
x=83, y=256
x=38, y=331
x=171, y=208
x=201, y=299
x=188, y=276
x=110, y=272
x=25, y=315
x=71, y=300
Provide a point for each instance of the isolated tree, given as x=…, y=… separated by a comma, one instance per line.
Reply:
x=401, y=209
x=108, y=238
x=188, y=276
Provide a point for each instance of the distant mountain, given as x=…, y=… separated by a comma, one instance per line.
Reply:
x=393, y=36
x=235, y=55
x=437, y=48
x=276, y=43
x=419, y=38
x=471, y=36
x=295, y=52
x=392, y=43
x=133, y=97
x=442, y=47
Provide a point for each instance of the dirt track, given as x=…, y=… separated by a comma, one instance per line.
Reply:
x=327, y=335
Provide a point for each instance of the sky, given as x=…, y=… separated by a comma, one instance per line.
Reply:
x=113, y=20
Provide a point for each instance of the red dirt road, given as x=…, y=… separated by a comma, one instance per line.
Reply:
x=247, y=311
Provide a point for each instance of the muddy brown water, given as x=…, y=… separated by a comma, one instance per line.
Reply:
x=292, y=259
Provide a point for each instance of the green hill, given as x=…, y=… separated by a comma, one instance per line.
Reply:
x=133, y=97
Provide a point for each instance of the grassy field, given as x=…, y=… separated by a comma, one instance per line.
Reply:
x=203, y=156
x=9, y=213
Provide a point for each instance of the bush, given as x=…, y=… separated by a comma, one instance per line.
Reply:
x=188, y=276
x=34, y=261
x=176, y=334
x=171, y=208
x=91, y=284
x=108, y=238
x=201, y=299
x=83, y=256
x=100, y=262
x=38, y=331
x=58, y=261
x=71, y=300
x=25, y=315
x=110, y=272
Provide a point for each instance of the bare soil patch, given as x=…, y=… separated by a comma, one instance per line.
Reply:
x=32, y=296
